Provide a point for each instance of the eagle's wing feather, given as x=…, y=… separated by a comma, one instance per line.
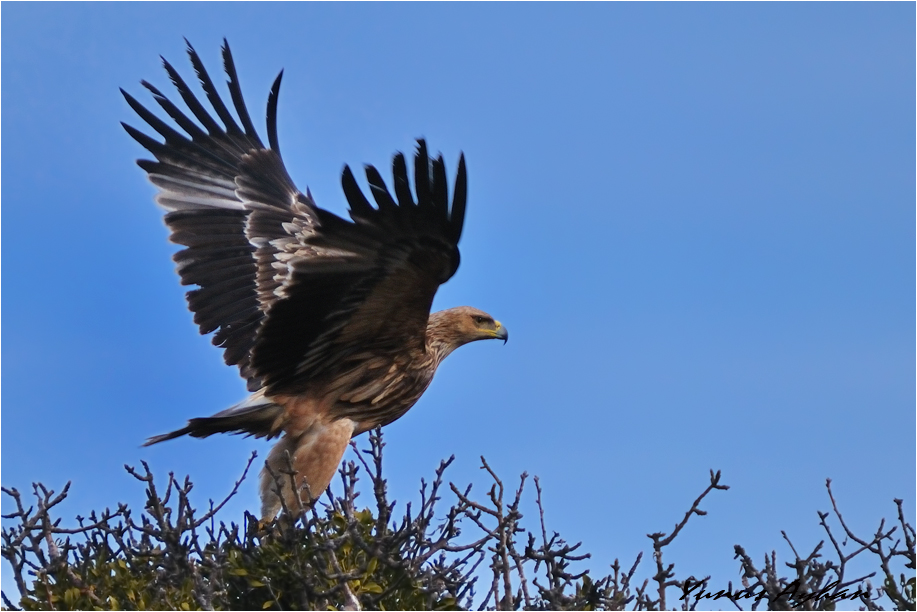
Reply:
x=372, y=289
x=293, y=291
x=197, y=173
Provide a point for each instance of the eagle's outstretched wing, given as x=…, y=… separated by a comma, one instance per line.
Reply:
x=292, y=291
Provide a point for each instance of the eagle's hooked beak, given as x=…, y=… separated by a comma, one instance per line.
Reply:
x=501, y=333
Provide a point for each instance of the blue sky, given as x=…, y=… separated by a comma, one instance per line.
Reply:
x=697, y=222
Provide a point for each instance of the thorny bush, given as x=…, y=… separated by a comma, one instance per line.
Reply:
x=340, y=557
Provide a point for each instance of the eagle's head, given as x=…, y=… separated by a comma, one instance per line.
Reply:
x=451, y=328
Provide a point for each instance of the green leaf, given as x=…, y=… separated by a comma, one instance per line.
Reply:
x=71, y=595
x=372, y=587
x=371, y=566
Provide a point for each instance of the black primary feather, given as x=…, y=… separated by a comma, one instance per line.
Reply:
x=272, y=114
x=235, y=90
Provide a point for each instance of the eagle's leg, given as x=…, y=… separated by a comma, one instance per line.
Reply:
x=315, y=456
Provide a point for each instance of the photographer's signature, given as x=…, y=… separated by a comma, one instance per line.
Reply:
x=793, y=591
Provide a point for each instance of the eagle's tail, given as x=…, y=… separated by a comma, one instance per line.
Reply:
x=255, y=416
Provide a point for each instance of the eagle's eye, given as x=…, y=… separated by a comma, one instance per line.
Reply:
x=479, y=320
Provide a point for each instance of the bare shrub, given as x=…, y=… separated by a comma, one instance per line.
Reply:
x=341, y=556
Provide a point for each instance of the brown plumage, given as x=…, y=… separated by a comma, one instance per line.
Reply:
x=328, y=320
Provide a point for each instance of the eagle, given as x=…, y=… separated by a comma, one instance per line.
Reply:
x=327, y=319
